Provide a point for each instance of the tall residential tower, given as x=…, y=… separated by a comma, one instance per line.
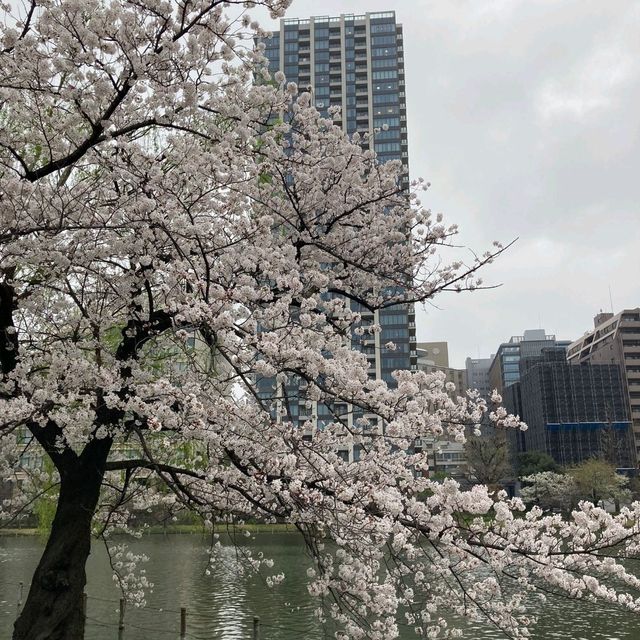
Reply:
x=356, y=62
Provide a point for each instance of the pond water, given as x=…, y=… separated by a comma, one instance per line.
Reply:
x=222, y=603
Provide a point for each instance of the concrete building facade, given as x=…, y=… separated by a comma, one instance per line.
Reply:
x=434, y=356
x=478, y=375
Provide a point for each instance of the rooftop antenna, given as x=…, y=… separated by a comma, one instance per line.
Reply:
x=610, y=299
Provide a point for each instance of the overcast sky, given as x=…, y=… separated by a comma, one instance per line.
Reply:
x=525, y=117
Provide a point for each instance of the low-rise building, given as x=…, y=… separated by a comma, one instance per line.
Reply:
x=446, y=458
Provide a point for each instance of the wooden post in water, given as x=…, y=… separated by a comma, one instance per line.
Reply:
x=20, y=593
x=256, y=628
x=183, y=623
x=121, y=616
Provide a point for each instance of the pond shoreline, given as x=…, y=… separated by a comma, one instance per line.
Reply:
x=189, y=529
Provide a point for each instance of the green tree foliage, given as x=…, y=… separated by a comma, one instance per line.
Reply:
x=532, y=462
x=597, y=480
x=593, y=480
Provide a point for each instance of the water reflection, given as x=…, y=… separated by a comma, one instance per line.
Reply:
x=222, y=597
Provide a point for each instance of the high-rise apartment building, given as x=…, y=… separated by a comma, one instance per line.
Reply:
x=354, y=62
x=615, y=340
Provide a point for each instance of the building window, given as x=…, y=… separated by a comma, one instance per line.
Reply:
x=389, y=134
x=386, y=51
x=385, y=98
x=387, y=27
x=381, y=63
x=390, y=122
x=382, y=40
x=385, y=75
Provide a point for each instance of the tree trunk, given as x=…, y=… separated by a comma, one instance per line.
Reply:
x=54, y=607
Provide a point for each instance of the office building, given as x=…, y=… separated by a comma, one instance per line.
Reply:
x=573, y=412
x=478, y=375
x=615, y=340
x=505, y=366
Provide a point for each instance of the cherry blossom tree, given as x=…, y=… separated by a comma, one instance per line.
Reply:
x=549, y=490
x=175, y=226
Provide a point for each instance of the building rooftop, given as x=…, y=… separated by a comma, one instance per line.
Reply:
x=531, y=335
x=346, y=16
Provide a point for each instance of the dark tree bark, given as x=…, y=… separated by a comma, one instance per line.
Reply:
x=8, y=335
x=53, y=609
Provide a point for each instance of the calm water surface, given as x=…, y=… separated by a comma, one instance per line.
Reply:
x=222, y=604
